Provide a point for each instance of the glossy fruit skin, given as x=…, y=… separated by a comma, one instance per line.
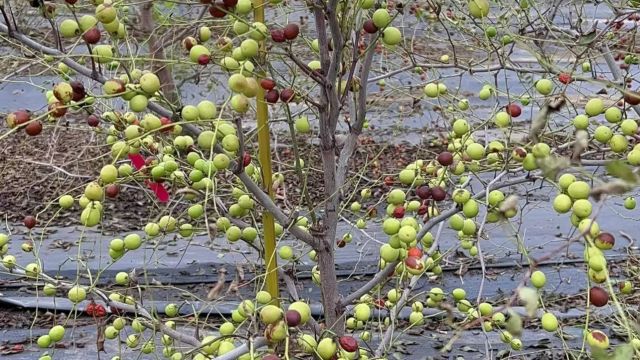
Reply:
x=513, y=110
x=544, y=86
x=597, y=339
x=272, y=96
x=549, y=322
x=598, y=296
x=92, y=36
x=33, y=128
x=370, y=27
x=538, y=279
x=630, y=203
x=605, y=241
x=445, y=158
x=29, y=222
x=286, y=95
x=291, y=31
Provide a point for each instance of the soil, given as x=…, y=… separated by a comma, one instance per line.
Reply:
x=65, y=157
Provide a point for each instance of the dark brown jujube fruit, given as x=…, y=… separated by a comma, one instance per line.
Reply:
x=598, y=296
x=348, y=343
x=445, y=158
x=438, y=193
x=292, y=318
x=272, y=96
x=287, y=95
x=277, y=35
x=34, y=128
x=291, y=31
x=423, y=192
x=370, y=27
x=29, y=221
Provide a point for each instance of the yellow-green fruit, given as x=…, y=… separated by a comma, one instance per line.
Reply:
x=381, y=18
x=91, y=215
x=105, y=13
x=138, y=103
x=613, y=115
x=327, y=348
x=618, y=143
x=249, y=48
x=581, y=122
x=206, y=110
x=197, y=51
x=240, y=103
x=362, y=312
x=478, y=8
x=594, y=107
x=109, y=174
x=65, y=202
x=579, y=190
x=602, y=134
x=270, y=314
x=431, y=90
x=86, y=22
x=69, y=28
x=204, y=33
x=150, y=83
x=544, y=86
x=598, y=340
x=302, y=125
x=237, y=83
x=538, y=279
x=549, y=322
x=103, y=53
x=562, y=203
x=391, y=36
x=629, y=127
x=77, y=294
x=582, y=208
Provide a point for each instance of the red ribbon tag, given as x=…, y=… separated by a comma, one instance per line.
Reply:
x=161, y=192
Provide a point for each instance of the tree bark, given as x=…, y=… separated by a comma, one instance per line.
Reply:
x=156, y=52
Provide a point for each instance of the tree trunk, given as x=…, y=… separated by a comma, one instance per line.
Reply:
x=156, y=51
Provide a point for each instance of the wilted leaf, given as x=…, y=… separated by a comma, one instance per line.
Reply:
x=514, y=323
x=614, y=187
x=625, y=351
x=622, y=171
x=529, y=298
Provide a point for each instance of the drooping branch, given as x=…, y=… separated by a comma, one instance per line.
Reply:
x=74, y=65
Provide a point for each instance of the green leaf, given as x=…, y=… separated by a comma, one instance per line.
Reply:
x=622, y=171
x=587, y=38
x=625, y=351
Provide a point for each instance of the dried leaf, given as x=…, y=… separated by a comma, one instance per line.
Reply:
x=100, y=337
x=217, y=288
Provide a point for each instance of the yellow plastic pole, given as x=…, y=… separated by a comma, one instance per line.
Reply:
x=264, y=154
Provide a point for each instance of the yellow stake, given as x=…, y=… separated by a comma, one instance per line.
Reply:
x=264, y=153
